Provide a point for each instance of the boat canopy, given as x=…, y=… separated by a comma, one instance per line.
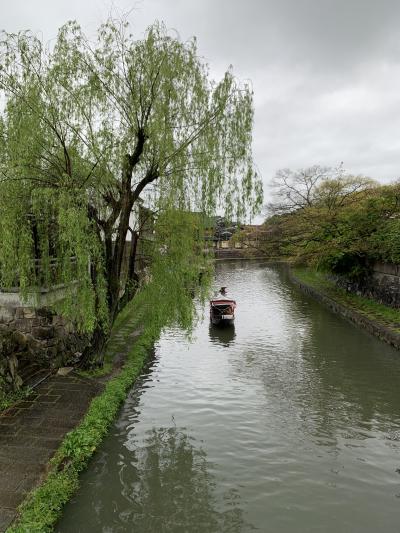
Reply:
x=222, y=300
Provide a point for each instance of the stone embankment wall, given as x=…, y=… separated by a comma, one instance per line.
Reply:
x=383, y=284
x=33, y=339
x=379, y=330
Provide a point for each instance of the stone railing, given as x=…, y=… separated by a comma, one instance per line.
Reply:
x=11, y=300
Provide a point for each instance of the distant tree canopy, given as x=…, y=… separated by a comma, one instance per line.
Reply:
x=333, y=221
x=315, y=186
x=90, y=128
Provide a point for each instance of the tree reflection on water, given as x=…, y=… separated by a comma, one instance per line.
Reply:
x=171, y=489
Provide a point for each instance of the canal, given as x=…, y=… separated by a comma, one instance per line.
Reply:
x=290, y=422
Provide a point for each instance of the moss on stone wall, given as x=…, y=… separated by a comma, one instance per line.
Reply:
x=34, y=338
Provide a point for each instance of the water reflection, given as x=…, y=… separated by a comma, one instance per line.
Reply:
x=171, y=488
x=165, y=485
x=349, y=378
x=344, y=383
x=222, y=335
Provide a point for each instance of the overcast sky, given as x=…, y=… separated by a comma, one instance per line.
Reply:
x=326, y=73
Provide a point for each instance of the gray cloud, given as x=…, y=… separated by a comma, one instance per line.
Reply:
x=326, y=73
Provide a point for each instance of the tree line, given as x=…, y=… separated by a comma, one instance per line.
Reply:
x=331, y=220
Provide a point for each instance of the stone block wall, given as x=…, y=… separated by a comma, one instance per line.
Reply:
x=382, y=285
x=33, y=339
x=385, y=284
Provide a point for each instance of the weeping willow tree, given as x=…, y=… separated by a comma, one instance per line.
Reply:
x=89, y=129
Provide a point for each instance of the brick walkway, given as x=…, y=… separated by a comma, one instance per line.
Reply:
x=30, y=433
x=32, y=430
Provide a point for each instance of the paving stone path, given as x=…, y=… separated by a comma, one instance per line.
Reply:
x=32, y=430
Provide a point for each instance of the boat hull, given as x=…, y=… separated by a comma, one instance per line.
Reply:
x=222, y=311
x=222, y=320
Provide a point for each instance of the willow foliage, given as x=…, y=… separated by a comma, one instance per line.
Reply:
x=91, y=128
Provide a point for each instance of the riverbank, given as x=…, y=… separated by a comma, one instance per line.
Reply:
x=62, y=425
x=378, y=319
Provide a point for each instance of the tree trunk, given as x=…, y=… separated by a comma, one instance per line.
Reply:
x=132, y=280
x=114, y=252
x=93, y=355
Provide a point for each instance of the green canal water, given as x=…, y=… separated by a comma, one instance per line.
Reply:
x=288, y=423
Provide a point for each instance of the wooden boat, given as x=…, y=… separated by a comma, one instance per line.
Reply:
x=222, y=308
